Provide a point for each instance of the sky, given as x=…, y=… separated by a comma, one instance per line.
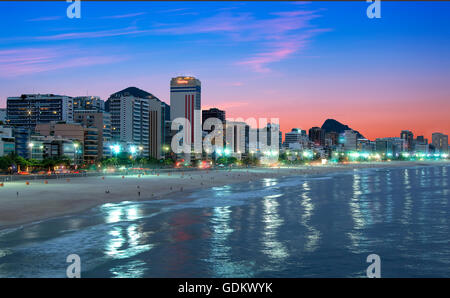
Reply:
x=301, y=62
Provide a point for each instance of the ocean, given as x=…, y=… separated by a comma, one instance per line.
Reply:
x=297, y=226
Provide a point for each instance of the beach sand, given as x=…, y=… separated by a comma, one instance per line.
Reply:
x=39, y=201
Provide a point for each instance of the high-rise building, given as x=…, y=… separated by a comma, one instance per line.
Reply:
x=88, y=103
x=317, y=136
x=331, y=138
x=166, y=126
x=236, y=138
x=365, y=145
x=35, y=148
x=22, y=137
x=390, y=146
x=185, y=102
x=421, y=148
x=85, y=139
x=439, y=142
x=7, y=141
x=28, y=110
x=350, y=140
x=156, y=128
x=408, y=136
x=421, y=140
x=295, y=138
x=55, y=147
x=101, y=121
x=137, y=118
x=269, y=129
x=3, y=116
x=213, y=113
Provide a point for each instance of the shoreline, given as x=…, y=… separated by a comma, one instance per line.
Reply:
x=39, y=201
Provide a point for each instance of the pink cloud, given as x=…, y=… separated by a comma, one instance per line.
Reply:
x=279, y=36
x=259, y=62
x=28, y=61
x=226, y=105
x=279, y=50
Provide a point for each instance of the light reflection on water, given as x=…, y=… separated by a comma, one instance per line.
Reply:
x=274, y=249
x=289, y=227
x=312, y=234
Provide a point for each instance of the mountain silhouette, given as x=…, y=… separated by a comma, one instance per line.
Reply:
x=331, y=125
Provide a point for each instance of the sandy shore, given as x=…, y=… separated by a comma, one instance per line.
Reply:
x=38, y=201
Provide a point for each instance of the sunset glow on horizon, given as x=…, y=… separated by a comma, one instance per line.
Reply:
x=301, y=62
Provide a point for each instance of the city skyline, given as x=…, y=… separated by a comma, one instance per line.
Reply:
x=388, y=75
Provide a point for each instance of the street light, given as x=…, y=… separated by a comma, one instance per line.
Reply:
x=75, y=155
x=116, y=149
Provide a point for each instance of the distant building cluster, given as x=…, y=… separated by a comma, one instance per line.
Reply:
x=87, y=129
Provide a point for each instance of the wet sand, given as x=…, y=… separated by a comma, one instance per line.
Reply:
x=39, y=201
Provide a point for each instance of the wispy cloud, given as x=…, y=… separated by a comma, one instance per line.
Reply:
x=187, y=14
x=277, y=37
x=172, y=10
x=259, y=61
x=279, y=50
x=52, y=18
x=28, y=61
x=123, y=16
x=92, y=34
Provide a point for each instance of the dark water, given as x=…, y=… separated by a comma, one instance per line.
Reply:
x=321, y=226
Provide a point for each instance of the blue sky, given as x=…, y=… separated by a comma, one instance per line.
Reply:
x=300, y=61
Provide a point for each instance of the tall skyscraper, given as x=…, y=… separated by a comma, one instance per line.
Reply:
x=317, y=136
x=218, y=114
x=31, y=109
x=350, y=140
x=185, y=101
x=408, y=136
x=440, y=142
x=137, y=119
